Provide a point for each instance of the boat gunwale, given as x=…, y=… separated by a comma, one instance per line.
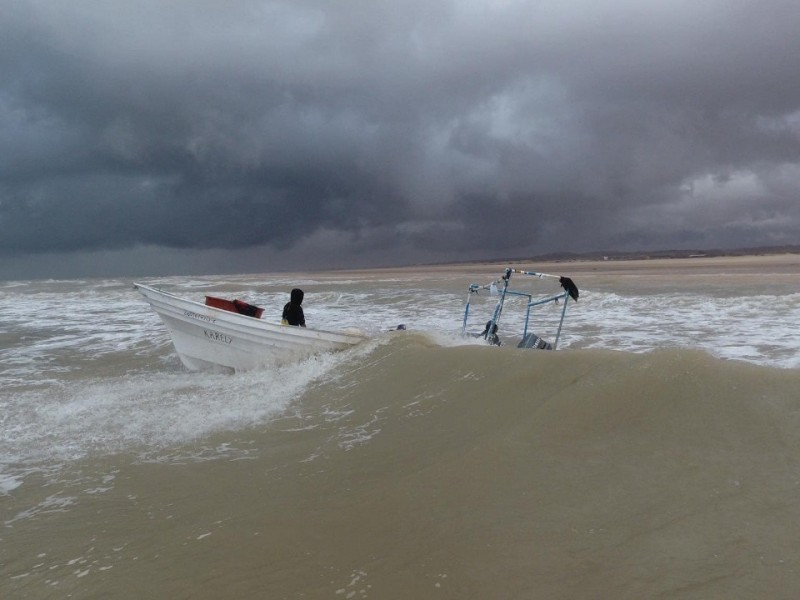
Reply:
x=244, y=323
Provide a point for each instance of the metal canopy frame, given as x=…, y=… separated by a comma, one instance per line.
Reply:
x=505, y=292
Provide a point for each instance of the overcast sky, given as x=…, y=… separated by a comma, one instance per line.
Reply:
x=190, y=136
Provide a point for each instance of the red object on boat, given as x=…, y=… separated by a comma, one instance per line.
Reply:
x=236, y=306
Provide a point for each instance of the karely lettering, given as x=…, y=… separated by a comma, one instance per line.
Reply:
x=217, y=336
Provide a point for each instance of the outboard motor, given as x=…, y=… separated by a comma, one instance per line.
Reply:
x=491, y=336
x=531, y=340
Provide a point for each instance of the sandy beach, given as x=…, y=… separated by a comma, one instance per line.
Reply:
x=775, y=273
x=757, y=263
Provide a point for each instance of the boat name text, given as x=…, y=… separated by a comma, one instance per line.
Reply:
x=194, y=315
x=217, y=336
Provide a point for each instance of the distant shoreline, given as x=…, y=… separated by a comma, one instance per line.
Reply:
x=754, y=261
x=562, y=257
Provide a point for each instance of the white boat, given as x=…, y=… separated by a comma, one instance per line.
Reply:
x=206, y=337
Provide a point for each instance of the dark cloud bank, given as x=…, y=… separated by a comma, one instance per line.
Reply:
x=152, y=137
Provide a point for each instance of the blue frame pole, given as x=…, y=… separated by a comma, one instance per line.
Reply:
x=561, y=322
x=498, y=309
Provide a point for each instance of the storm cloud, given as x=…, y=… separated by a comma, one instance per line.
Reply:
x=309, y=133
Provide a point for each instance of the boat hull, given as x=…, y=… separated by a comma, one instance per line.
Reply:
x=210, y=338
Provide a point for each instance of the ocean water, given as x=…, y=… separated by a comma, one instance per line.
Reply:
x=655, y=454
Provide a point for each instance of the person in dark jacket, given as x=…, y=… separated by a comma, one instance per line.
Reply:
x=293, y=312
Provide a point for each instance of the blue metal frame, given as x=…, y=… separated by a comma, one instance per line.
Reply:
x=498, y=309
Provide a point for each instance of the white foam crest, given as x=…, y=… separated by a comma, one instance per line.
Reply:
x=51, y=504
x=761, y=329
x=147, y=411
x=52, y=329
x=383, y=310
x=9, y=482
